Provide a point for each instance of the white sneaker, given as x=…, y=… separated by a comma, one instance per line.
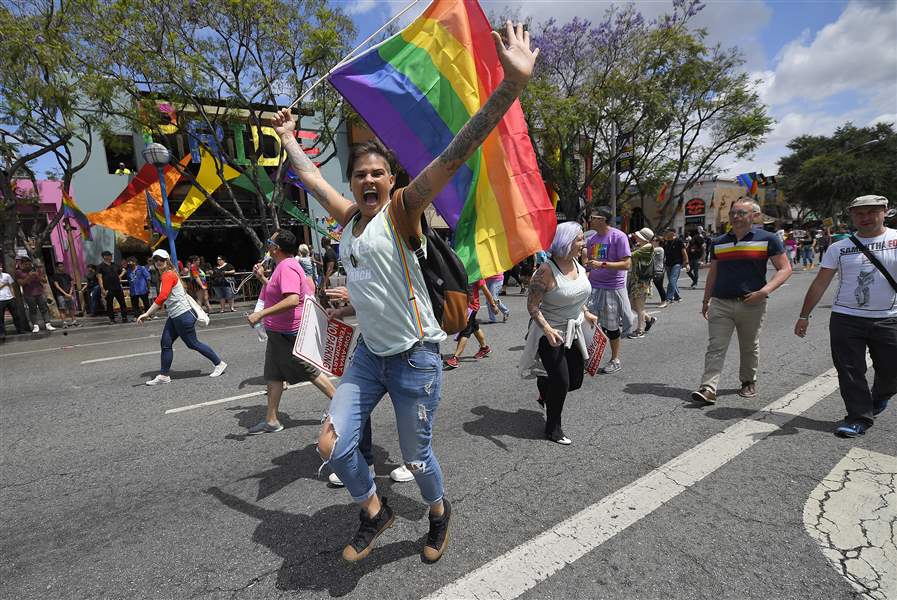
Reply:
x=218, y=370
x=159, y=379
x=35, y=329
x=401, y=474
x=49, y=327
x=336, y=481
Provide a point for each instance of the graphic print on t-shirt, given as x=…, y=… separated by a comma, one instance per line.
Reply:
x=864, y=281
x=599, y=251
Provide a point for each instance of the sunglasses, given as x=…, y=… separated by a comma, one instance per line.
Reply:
x=739, y=213
x=270, y=242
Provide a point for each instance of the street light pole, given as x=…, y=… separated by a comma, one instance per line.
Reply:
x=158, y=155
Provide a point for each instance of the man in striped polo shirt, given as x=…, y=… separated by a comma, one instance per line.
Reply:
x=735, y=296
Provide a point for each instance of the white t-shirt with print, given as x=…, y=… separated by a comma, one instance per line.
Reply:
x=6, y=292
x=863, y=291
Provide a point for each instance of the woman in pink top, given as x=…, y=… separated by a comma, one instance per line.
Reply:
x=284, y=295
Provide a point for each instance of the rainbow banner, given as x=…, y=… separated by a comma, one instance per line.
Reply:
x=72, y=211
x=749, y=181
x=416, y=90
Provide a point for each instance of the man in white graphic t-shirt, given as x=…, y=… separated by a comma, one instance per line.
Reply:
x=864, y=313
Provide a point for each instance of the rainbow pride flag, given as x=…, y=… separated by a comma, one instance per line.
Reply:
x=72, y=211
x=749, y=181
x=416, y=90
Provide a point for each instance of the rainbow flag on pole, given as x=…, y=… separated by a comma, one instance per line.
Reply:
x=416, y=90
x=71, y=210
x=749, y=181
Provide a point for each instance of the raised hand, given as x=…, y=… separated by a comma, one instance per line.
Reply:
x=283, y=122
x=516, y=58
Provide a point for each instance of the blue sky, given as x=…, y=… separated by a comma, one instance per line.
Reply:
x=821, y=63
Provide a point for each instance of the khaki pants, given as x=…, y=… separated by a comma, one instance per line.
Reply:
x=726, y=316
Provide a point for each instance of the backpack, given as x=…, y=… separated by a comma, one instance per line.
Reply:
x=445, y=278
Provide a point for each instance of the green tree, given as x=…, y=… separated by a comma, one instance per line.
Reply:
x=216, y=63
x=47, y=108
x=687, y=104
x=822, y=174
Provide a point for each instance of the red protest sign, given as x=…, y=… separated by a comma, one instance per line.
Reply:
x=596, y=348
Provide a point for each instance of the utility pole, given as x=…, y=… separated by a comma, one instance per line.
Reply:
x=613, y=178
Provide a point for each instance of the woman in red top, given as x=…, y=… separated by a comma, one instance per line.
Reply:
x=181, y=321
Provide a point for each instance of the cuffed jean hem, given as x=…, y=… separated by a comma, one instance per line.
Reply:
x=367, y=496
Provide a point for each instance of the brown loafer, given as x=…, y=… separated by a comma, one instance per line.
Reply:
x=704, y=394
x=748, y=389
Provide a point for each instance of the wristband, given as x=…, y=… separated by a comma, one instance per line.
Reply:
x=604, y=265
x=804, y=318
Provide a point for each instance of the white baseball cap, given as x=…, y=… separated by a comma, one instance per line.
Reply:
x=161, y=254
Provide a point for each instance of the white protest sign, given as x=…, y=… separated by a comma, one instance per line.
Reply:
x=322, y=342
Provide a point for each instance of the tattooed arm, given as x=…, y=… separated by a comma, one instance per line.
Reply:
x=542, y=282
x=339, y=207
x=517, y=60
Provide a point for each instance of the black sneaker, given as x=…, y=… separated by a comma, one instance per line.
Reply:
x=437, y=538
x=650, y=324
x=368, y=531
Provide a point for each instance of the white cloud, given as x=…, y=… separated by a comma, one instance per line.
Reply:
x=359, y=7
x=858, y=52
x=891, y=118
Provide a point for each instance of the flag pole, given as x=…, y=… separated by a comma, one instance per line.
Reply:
x=352, y=53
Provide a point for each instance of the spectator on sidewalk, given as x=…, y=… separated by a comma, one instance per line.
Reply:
x=8, y=303
x=91, y=290
x=64, y=290
x=138, y=286
x=735, y=297
x=330, y=260
x=109, y=280
x=223, y=284
x=31, y=281
x=864, y=313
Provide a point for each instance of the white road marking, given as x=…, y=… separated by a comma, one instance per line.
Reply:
x=108, y=358
x=524, y=567
x=851, y=515
x=171, y=411
x=88, y=344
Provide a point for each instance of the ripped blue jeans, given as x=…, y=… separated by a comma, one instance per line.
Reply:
x=413, y=380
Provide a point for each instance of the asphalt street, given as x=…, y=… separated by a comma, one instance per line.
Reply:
x=105, y=495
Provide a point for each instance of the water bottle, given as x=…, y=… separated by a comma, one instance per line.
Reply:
x=260, y=326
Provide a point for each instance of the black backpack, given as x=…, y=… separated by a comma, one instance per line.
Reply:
x=446, y=279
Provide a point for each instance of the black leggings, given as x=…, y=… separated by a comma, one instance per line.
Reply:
x=565, y=373
x=658, y=283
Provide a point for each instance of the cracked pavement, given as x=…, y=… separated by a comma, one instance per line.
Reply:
x=104, y=496
x=852, y=514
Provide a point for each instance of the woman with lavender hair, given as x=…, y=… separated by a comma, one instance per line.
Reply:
x=557, y=299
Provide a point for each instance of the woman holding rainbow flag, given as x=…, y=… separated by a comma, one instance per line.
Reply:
x=398, y=351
